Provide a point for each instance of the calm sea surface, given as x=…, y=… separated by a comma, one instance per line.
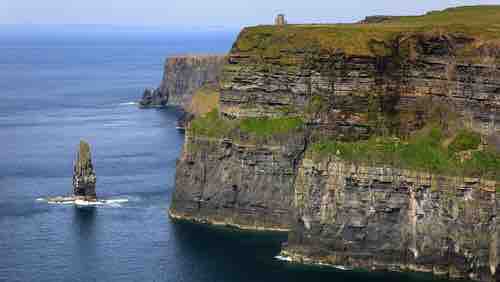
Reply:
x=57, y=86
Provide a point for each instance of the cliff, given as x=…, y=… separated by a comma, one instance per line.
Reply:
x=376, y=144
x=382, y=218
x=226, y=183
x=181, y=77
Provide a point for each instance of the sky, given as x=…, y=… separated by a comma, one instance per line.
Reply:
x=210, y=13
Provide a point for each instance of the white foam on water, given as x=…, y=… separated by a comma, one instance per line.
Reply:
x=83, y=203
x=133, y=199
x=283, y=258
x=116, y=201
x=60, y=203
x=341, y=267
x=289, y=259
x=87, y=203
x=128, y=103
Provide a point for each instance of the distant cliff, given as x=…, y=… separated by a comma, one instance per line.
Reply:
x=377, y=145
x=181, y=77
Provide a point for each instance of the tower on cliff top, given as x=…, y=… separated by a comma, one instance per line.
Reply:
x=280, y=19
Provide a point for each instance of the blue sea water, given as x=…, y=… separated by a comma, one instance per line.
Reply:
x=60, y=85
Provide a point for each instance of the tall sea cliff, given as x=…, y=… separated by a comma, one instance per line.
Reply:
x=375, y=145
x=182, y=76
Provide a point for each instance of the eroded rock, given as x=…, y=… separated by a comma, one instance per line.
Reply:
x=84, y=178
x=181, y=77
x=153, y=98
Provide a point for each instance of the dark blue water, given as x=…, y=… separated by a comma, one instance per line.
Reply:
x=59, y=87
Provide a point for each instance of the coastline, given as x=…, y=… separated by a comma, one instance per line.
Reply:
x=193, y=219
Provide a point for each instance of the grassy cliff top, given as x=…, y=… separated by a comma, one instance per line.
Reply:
x=479, y=22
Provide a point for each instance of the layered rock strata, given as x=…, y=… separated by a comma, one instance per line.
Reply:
x=338, y=213
x=84, y=178
x=235, y=183
x=349, y=84
x=181, y=77
x=382, y=218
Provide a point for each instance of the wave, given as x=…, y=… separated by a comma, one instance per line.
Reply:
x=117, y=123
x=116, y=201
x=289, y=259
x=87, y=203
x=128, y=103
x=83, y=203
x=283, y=258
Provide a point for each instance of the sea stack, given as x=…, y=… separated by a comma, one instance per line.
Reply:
x=84, y=178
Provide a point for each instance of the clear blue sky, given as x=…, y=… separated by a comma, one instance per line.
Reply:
x=234, y=13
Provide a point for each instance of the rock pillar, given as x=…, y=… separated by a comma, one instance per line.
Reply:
x=83, y=174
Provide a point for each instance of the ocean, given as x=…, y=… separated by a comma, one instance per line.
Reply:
x=62, y=84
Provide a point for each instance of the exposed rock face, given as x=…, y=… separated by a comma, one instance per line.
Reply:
x=384, y=218
x=183, y=120
x=153, y=98
x=410, y=87
x=84, y=178
x=181, y=77
x=372, y=217
x=243, y=185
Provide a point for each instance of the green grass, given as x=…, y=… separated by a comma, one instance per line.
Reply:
x=423, y=151
x=265, y=127
x=212, y=125
x=486, y=163
x=480, y=22
x=465, y=140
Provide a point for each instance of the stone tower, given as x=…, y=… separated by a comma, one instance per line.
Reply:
x=280, y=20
x=83, y=174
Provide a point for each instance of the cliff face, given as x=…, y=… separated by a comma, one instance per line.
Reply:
x=371, y=201
x=221, y=181
x=347, y=84
x=384, y=218
x=181, y=77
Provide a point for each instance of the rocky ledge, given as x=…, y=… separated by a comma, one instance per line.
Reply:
x=153, y=98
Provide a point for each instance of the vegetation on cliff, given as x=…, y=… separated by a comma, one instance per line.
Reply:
x=212, y=125
x=429, y=149
x=204, y=100
x=480, y=23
